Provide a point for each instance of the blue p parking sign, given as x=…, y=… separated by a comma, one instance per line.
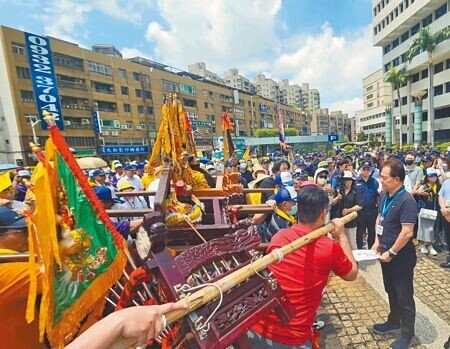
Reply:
x=333, y=138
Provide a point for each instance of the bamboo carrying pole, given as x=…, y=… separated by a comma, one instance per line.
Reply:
x=211, y=293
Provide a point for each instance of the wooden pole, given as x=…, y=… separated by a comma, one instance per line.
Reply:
x=211, y=293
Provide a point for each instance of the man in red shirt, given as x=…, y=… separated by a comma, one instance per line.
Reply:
x=303, y=274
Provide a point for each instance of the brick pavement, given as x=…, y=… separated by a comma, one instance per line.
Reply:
x=349, y=309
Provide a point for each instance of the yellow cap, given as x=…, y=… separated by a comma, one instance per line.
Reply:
x=125, y=185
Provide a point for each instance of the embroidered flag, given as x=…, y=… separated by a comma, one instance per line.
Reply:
x=81, y=250
x=228, y=146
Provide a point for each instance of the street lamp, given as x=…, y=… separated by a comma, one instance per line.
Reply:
x=33, y=122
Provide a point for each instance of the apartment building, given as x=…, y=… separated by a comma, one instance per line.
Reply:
x=266, y=87
x=376, y=95
x=310, y=98
x=128, y=95
x=199, y=69
x=395, y=25
x=325, y=122
x=291, y=94
x=237, y=81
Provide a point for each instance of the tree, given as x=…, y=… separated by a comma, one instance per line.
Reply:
x=397, y=78
x=426, y=41
x=361, y=137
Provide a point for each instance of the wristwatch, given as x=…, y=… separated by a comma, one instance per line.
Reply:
x=392, y=254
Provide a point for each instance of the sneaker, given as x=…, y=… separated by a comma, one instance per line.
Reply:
x=318, y=325
x=386, y=328
x=423, y=249
x=401, y=343
x=432, y=251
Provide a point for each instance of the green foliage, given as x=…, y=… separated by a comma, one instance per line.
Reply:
x=443, y=146
x=373, y=141
x=426, y=41
x=273, y=132
x=407, y=147
x=361, y=137
x=346, y=139
x=395, y=77
x=348, y=149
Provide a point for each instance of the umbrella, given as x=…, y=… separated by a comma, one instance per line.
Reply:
x=91, y=162
x=4, y=167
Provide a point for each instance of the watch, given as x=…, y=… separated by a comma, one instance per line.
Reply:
x=392, y=254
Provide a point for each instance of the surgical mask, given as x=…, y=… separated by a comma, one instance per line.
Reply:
x=321, y=181
x=307, y=164
x=418, y=160
x=293, y=211
x=409, y=162
x=432, y=179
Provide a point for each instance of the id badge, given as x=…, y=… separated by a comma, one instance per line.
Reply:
x=379, y=230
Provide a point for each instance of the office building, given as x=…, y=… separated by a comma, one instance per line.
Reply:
x=128, y=94
x=239, y=82
x=376, y=95
x=396, y=24
x=325, y=122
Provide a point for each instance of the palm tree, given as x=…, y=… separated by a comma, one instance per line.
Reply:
x=397, y=78
x=426, y=41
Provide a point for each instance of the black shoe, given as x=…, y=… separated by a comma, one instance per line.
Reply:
x=386, y=328
x=401, y=343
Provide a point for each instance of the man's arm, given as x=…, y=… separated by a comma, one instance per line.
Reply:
x=339, y=233
x=376, y=245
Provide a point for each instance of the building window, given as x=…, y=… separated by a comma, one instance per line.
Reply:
x=124, y=90
x=404, y=100
x=140, y=109
x=122, y=73
x=23, y=73
x=395, y=43
x=100, y=68
x=406, y=3
x=438, y=67
x=415, y=29
x=190, y=103
x=102, y=88
x=27, y=96
x=440, y=11
x=136, y=76
x=147, y=94
x=438, y=90
x=150, y=110
x=405, y=36
x=138, y=93
x=106, y=106
x=170, y=85
x=396, y=61
x=68, y=61
x=387, y=48
x=424, y=73
x=18, y=49
x=126, y=108
x=187, y=89
x=427, y=20
x=447, y=87
x=370, y=96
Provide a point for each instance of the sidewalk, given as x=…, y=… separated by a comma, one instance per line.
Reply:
x=349, y=309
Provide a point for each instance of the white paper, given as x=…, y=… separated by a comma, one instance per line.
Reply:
x=365, y=255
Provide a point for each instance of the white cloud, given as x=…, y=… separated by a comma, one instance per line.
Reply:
x=227, y=34
x=334, y=64
x=349, y=106
x=222, y=33
x=130, y=52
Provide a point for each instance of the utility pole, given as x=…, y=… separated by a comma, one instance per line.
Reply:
x=33, y=122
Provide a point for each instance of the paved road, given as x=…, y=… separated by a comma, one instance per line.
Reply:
x=349, y=309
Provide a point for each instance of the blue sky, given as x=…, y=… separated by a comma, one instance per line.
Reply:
x=326, y=43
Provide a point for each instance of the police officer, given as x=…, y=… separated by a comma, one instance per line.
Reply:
x=368, y=189
x=393, y=242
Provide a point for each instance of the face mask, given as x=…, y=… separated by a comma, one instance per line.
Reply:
x=293, y=211
x=307, y=164
x=321, y=181
x=417, y=160
x=432, y=179
x=409, y=162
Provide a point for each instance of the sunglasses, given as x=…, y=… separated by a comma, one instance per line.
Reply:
x=321, y=176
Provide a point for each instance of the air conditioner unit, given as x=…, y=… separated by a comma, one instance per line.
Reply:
x=85, y=121
x=105, y=133
x=67, y=122
x=114, y=133
x=116, y=123
x=138, y=128
x=124, y=127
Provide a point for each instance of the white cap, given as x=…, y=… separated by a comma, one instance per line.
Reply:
x=431, y=172
x=24, y=173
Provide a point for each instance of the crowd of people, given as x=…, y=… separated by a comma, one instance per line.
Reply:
x=402, y=199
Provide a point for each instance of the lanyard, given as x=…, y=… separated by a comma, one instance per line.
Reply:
x=388, y=203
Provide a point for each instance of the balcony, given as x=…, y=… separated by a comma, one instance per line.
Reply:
x=72, y=84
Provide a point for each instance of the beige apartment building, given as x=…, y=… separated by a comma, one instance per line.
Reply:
x=128, y=94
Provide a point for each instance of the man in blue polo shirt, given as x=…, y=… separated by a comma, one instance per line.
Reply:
x=394, y=231
x=368, y=189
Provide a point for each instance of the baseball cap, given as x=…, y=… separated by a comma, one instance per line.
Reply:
x=265, y=161
x=210, y=167
x=105, y=194
x=348, y=175
x=366, y=164
x=323, y=164
x=431, y=172
x=243, y=166
x=426, y=158
x=118, y=164
x=98, y=172
x=91, y=173
x=130, y=167
x=298, y=162
x=285, y=194
x=10, y=219
x=300, y=174
x=284, y=178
